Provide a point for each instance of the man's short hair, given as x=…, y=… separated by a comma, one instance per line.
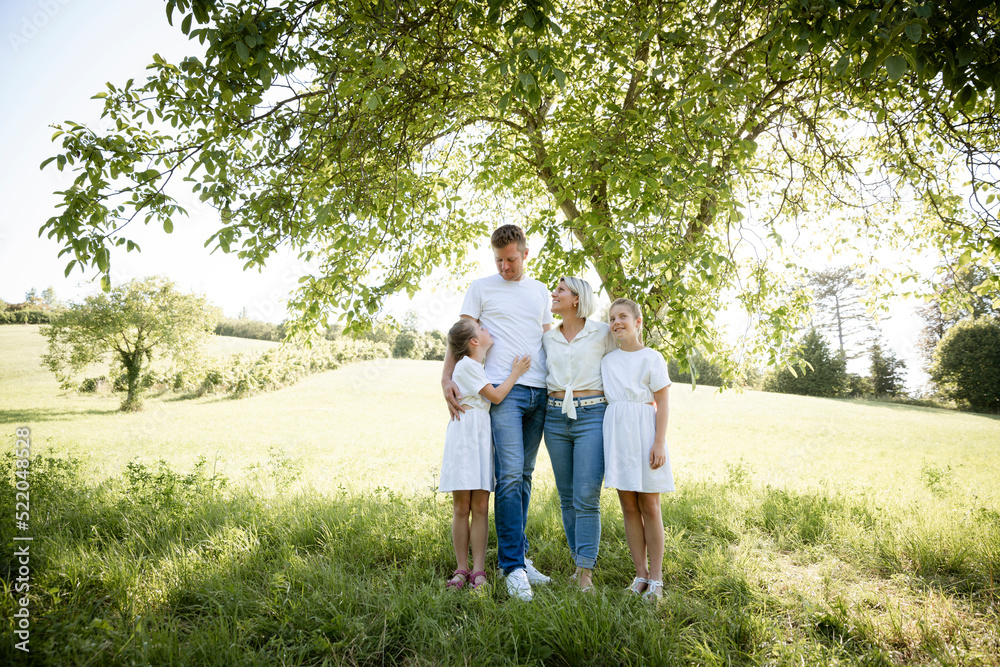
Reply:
x=507, y=234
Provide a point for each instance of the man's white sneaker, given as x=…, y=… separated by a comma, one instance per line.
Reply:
x=534, y=576
x=518, y=586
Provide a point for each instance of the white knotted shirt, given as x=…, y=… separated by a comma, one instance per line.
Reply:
x=576, y=365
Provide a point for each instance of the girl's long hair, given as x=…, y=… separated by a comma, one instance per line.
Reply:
x=459, y=336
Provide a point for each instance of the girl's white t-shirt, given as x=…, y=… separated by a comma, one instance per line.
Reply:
x=514, y=311
x=470, y=378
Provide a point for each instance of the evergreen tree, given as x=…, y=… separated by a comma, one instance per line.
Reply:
x=823, y=373
x=840, y=309
x=886, y=372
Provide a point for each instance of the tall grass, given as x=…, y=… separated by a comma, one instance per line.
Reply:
x=300, y=527
x=160, y=567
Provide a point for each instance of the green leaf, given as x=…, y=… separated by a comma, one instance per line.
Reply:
x=841, y=65
x=965, y=96
x=913, y=31
x=103, y=258
x=242, y=51
x=503, y=102
x=186, y=23
x=560, y=77
x=895, y=66
x=168, y=226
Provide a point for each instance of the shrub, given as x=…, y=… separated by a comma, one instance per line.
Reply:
x=92, y=385
x=858, y=386
x=967, y=364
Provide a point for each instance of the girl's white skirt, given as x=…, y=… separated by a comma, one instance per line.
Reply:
x=468, y=453
x=629, y=430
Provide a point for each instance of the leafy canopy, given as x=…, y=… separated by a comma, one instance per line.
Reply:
x=667, y=147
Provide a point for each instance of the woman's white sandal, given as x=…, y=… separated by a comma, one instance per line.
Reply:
x=654, y=592
x=638, y=582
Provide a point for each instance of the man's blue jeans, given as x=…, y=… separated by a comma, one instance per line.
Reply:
x=576, y=447
x=517, y=423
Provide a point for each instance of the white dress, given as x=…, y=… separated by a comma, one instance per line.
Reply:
x=468, y=445
x=630, y=378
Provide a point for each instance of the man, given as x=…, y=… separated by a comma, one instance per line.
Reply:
x=516, y=311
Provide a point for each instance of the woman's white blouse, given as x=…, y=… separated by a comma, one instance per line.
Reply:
x=576, y=365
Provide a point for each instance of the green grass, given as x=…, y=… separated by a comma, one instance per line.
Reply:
x=301, y=527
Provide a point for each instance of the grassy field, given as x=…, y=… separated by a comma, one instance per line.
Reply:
x=301, y=527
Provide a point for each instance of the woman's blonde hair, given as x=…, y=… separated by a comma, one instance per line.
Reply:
x=581, y=289
x=459, y=336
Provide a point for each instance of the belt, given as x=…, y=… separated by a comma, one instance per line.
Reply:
x=578, y=402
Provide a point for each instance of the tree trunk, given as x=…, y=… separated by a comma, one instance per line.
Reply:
x=133, y=368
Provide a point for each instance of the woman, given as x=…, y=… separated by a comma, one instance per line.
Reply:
x=575, y=416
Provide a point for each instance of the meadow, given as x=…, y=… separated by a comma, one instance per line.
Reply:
x=301, y=527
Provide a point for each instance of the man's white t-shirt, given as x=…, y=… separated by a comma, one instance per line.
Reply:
x=514, y=311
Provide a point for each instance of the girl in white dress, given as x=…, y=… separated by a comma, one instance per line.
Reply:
x=467, y=467
x=636, y=461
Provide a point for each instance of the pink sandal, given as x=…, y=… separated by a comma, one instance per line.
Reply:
x=476, y=575
x=457, y=583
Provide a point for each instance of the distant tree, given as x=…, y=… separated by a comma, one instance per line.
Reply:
x=49, y=297
x=886, y=372
x=437, y=345
x=131, y=322
x=963, y=293
x=31, y=297
x=409, y=345
x=705, y=371
x=410, y=321
x=840, y=310
x=967, y=363
x=825, y=374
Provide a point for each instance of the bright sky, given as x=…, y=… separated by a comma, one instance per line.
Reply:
x=54, y=56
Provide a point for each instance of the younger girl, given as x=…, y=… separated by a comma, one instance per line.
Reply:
x=635, y=450
x=467, y=468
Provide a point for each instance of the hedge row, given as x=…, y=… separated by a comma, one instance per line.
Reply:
x=27, y=316
x=248, y=373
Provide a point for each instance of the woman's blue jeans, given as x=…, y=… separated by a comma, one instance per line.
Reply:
x=576, y=447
